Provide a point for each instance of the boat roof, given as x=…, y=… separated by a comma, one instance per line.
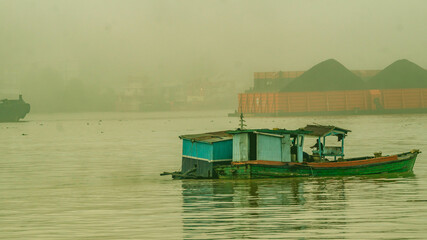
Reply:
x=323, y=130
x=209, y=137
x=270, y=131
x=310, y=130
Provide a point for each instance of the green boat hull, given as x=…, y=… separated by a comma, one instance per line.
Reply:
x=403, y=164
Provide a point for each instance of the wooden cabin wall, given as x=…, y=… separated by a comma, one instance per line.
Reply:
x=223, y=150
x=240, y=147
x=202, y=156
x=272, y=148
x=269, y=148
x=197, y=149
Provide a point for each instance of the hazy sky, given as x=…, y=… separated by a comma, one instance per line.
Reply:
x=174, y=40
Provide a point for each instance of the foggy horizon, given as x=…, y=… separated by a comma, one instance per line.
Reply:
x=213, y=119
x=89, y=45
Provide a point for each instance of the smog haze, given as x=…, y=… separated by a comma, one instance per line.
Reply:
x=81, y=55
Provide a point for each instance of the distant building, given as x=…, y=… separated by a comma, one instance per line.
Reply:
x=143, y=95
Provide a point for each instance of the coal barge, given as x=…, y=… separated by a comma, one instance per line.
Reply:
x=329, y=88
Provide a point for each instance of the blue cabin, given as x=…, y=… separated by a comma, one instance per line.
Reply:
x=202, y=152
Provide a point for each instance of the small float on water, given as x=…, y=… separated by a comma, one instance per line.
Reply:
x=279, y=153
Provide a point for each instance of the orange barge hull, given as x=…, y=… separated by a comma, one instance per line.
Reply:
x=334, y=102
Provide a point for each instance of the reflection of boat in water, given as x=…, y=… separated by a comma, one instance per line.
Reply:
x=271, y=153
x=298, y=208
x=263, y=192
x=13, y=110
x=262, y=208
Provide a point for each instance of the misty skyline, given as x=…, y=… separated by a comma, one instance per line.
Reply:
x=106, y=42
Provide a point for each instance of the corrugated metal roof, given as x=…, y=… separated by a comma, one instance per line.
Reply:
x=313, y=130
x=321, y=130
x=271, y=131
x=209, y=137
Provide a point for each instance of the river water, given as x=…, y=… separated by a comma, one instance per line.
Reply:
x=96, y=176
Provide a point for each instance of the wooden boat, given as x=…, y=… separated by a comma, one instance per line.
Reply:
x=399, y=163
x=279, y=153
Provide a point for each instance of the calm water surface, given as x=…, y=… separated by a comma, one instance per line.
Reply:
x=96, y=176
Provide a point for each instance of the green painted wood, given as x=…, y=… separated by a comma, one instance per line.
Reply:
x=246, y=171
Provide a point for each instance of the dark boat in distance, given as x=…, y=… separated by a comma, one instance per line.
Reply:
x=13, y=110
x=278, y=153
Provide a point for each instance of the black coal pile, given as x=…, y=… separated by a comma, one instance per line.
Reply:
x=400, y=74
x=329, y=75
